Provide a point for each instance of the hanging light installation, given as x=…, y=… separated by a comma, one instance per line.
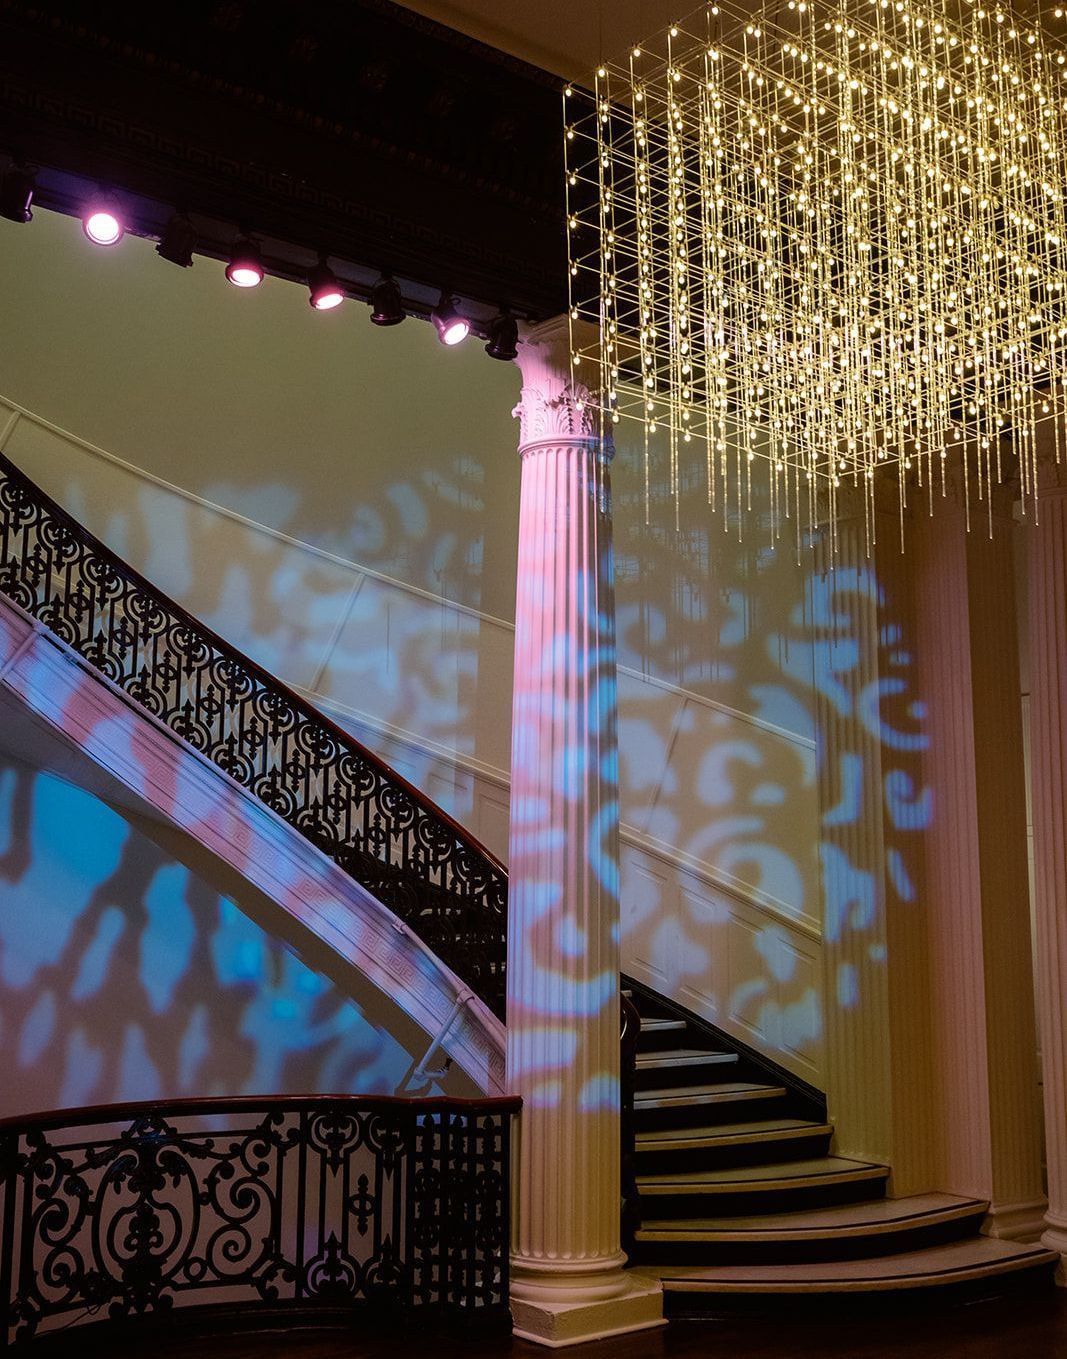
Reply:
x=823, y=239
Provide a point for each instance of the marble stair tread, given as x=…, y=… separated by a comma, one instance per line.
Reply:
x=957, y=1262
x=685, y=1057
x=874, y=1216
x=720, y=1093
x=765, y=1178
x=730, y=1134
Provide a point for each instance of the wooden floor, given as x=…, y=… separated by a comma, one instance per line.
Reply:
x=1033, y=1328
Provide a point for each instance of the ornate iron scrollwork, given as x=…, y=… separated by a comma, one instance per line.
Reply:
x=389, y=1204
x=335, y=792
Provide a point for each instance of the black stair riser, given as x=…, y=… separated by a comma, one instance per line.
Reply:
x=866, y=1247
x=1021, y=1283
x=752, y=1065
x=750, y=1203
x=703, y=1073
x=651, y=1041
x=798, y=1148
x=711, y=1115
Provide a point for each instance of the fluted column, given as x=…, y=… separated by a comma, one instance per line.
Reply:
x=1048, y=772
x=976, y=892
x=563, y=910
x=845, y=608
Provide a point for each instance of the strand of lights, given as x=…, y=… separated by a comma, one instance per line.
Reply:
x=823, y=239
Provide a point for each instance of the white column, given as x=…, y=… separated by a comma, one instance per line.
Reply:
x=1048, y=772
x=984, y=1046
x=568, y=1283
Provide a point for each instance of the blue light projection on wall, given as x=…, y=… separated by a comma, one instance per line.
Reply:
x=411, y=473
x=124, y=976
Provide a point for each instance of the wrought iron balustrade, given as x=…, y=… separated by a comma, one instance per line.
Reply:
x=382, y=1208
x=408, y=853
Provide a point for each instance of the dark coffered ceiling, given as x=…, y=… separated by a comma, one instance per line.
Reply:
x=352, y=127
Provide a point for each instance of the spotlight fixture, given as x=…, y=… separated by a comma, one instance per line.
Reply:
x=503, y=337
x=325, y=290
x=178, y=241
x=451, y=327
x=386, y=304
x=245, y=269
x=102, y=223
x=16, y=194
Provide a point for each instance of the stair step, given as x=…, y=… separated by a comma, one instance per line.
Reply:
x=977, y=1259
x=671, y=1057
x=723, y=1093
x=729, y=1134
x=662, y=1025
x=851, y=1231
x=814, y=1182
x=881, y=1216
x=765, y=1179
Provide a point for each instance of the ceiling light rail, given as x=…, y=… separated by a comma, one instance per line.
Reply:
x=249, y=257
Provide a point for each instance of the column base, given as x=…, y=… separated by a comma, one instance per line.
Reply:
x=1054, y=1238
x=1016, y=1221
x=570, y=1320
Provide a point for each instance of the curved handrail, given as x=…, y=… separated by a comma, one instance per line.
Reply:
x=312, y=1203
x=349, y=803
x=91, y=1115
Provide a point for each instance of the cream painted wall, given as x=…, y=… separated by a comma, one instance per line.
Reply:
x=340, y=502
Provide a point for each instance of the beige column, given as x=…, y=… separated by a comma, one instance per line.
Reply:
x=872, y=808
x=845, y=607
x=563, y=1030
x=975, y=894
x=1048, y=772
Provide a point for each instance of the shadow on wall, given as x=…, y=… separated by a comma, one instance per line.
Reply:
x=126, y=976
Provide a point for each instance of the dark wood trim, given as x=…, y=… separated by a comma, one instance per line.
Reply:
x=209, y=1105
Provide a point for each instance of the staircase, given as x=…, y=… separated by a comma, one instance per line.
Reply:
x=741, y=1198
x=743, y=1202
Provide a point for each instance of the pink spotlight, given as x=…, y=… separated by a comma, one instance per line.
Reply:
x=452, y=328
x=102, y=226
x=325, y=301
x=325, y=292
x=245, y=269
x=456, y=332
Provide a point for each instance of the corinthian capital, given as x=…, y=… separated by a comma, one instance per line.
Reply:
x=555, y=402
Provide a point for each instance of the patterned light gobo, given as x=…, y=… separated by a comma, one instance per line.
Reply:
x=823, y=236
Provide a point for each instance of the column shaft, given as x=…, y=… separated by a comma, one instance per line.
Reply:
x=563, y=1024
x=1048, y=758
x=975, y=896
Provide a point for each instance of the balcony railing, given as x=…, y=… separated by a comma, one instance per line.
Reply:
x=407, y=852
x=381, y=1208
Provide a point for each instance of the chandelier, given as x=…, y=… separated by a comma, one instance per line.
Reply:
x=823, y=244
